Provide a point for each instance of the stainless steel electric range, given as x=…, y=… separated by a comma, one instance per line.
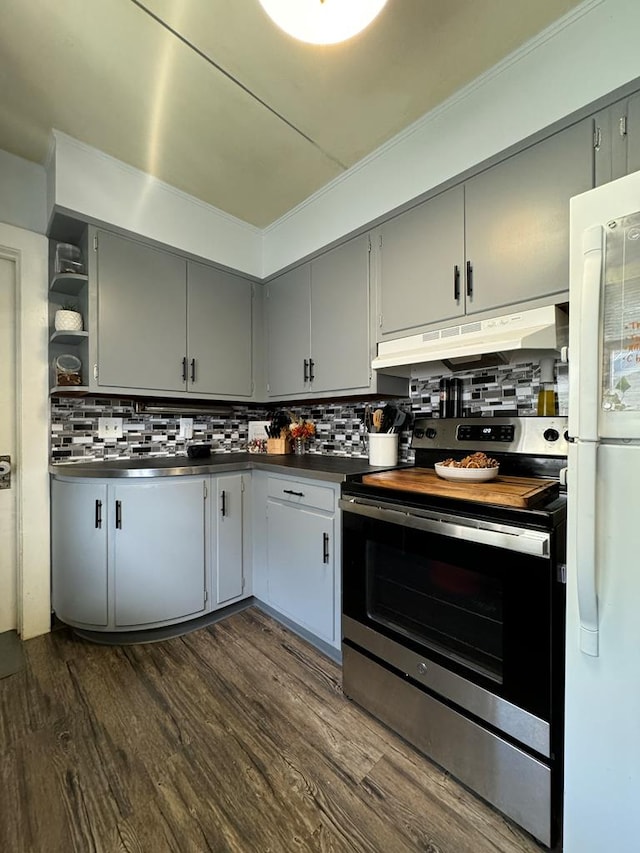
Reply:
x=453, y=609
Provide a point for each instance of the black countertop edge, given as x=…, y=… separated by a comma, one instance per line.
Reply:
x=336, y=469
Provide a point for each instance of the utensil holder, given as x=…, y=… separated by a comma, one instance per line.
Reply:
x=383, y=448
x=278, y=446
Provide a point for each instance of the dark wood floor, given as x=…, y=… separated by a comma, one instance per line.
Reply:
x=234, y=738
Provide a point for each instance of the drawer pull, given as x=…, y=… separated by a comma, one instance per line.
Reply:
x=291, y=492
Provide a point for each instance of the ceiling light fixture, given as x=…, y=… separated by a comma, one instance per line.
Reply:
x=322, y=21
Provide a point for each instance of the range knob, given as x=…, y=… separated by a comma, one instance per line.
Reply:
x=551, y=434
x=431, y=432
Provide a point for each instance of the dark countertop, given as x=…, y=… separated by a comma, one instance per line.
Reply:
x=335, y=469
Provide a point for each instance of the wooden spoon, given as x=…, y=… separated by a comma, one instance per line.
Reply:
x=377, y=419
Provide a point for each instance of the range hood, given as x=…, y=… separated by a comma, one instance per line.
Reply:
x=470, y=343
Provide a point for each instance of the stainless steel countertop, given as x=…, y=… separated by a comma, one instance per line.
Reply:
x=335, y=469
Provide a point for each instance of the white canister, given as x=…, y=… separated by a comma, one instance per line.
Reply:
x=383, y=448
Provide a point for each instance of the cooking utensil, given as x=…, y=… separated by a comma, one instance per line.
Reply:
x=368, y=425
x=377, y=420
x=388, y=417
x=399, y=420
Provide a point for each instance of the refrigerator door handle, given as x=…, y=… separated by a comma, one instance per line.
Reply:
x=588, y=356
x=585, y=547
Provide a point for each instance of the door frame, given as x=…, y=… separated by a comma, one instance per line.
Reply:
x=30, y=476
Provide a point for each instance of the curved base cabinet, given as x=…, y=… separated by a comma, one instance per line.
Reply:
x=145, y=554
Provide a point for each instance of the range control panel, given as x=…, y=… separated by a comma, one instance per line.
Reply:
x=532, y=435
x=485, y=432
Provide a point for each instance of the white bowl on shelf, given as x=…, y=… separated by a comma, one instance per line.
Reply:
x=468, y=475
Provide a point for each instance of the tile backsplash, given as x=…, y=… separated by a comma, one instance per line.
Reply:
x=510, y=389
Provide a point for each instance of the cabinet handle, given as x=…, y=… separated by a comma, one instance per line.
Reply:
x=184, y=369
x=325, y=547
x=456, y=282
x=306, y=370
x=469, y=279
x=193, y=370
x=119, y=515
x=290, y=492
x=223, y=503
x=98, y=514
x=312, y=375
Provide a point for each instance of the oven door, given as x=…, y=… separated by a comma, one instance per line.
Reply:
x=469, y=598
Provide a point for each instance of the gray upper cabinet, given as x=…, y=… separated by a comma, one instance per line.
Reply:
x=517, y=221
x=142, y=302
x=499, y=239
x=219, y=332
x=616, y=140
x=289, y=330
x=340, y=355
x=420, y=254
x=319, y=327
x=165, y=324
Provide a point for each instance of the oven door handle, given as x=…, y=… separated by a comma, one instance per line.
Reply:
x=519, y=539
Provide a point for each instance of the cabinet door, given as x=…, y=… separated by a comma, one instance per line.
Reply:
x=219, y=332
x=300, y=567
x=419, y=254
x=228, y=493
x=159, y=551
x=340, y=318
x=141, y=315
x=617, y=140
x=517, y=220
x=633, y=134
x=288, y=329
x=79, y=552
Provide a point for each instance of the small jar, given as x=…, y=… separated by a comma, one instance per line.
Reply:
x=68, y=370
x=68, y=259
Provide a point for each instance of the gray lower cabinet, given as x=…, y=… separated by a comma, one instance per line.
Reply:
x=159, y=568
x=135, y=554
x=166, y=324
x=227, y=540
x=79, y=552
x=616, y=140
x=302, y=566
x=499, y=239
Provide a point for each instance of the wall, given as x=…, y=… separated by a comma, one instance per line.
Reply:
x=590, y=53
x=22, y=193
x=29, y=251
x=100, y=188
x=507, y=390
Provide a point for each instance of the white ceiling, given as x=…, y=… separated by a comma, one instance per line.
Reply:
x=209, y=96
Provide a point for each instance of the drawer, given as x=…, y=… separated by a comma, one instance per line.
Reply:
x=302, y=492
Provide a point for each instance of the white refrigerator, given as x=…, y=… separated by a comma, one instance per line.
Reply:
x=602, y=729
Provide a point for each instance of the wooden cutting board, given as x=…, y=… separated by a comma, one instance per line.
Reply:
x=523, y=492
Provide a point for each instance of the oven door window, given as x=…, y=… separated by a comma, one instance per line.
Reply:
x=479, y=610
x=454, y=610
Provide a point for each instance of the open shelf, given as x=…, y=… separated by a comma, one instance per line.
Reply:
x=68, y=283
x=69, y=391
x=68, y=337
